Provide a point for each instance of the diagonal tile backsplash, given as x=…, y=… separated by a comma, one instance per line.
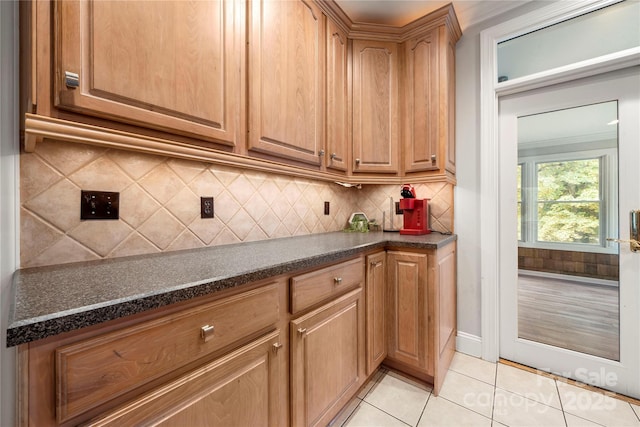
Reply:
x=160, y=204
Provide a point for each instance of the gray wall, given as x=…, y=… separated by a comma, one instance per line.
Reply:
x=468, y=168
x=9, y=151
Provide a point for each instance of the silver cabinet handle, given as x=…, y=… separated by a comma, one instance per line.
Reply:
x=433, y=158
x=332, y=156
x=277, y=346
x=357, y=161
x=206, y=332
x=337, y=280
x=301, y=331
x=71, y=80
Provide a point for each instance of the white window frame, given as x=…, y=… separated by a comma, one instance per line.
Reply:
x=608, y=192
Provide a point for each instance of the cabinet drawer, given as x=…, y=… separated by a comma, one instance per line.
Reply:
x=322, y=285
x=94, y=371
x=230, y=390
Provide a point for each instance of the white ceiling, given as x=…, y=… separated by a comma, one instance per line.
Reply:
x=401, y=12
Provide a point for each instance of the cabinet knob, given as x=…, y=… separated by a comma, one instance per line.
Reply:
x=333, y=156
x=277, y=346
x=301, y=331
x=357, y=161
x=321, y=153
x=337, y=280
x=433, y=158
x=206, y=332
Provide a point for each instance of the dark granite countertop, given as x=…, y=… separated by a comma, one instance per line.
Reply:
x=55, y=299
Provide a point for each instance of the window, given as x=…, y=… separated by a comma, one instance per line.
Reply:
x=596, y=34
x=564, y=201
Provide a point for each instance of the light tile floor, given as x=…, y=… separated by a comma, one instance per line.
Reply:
x=479, y=393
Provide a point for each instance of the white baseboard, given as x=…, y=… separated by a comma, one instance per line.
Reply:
x=469, y=344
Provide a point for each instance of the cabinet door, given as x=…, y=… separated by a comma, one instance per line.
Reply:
x=442, y=294
x=376, y=294
x=429, y=96
x=327, y=360
x=286, y=79
x=448, y=82
x=408, y=309
x=421, y=139
x=241, y=389
x=337, y=118
x=375, y=106
x=170, y=65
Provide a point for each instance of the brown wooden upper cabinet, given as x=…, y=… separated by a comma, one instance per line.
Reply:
x=290, y=87
x=337, y=119
x=286, y=79
x=429, y=102
x=173, y=65
x=375, y=106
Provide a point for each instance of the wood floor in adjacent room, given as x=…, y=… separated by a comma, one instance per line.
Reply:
x=569, y=314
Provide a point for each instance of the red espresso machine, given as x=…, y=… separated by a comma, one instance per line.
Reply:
x=416, y=212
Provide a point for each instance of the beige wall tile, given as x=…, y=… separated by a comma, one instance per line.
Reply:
x=101, y=236
x=161, y=228
x=184, y=205
x=187, y=170
x=36, y=177
x=136, y=205
x=206, y=185
x=62, y=251
x=68, y=158
x=136, y=165
x=35, y=235
x=206, y=229
x=101, y=175
x=59, y=205
x=162, y=183
x=135, y=244
x=186, y=240
x=160, y=204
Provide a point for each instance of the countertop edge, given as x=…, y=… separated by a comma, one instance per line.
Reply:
x=25, y=331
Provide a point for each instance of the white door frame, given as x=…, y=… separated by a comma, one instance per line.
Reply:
x=490, y=91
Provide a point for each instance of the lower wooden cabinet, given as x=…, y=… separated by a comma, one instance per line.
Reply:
x=408, y=309
x=240, y=389
x=421, y=312
x=376, y=296
x=197, y=363
x=226, y=360
x=327, y=359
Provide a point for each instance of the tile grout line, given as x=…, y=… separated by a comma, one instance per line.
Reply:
x=424, y=408
x=383, y=411
x=495, y=386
